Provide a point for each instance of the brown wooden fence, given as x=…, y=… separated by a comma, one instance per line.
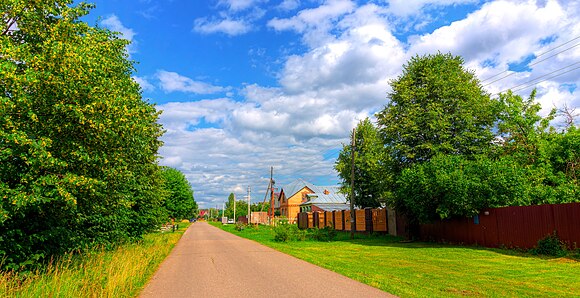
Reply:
x=366, y=220
x=510, y=226
x=520, y=227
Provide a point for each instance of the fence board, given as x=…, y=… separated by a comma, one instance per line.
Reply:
x=520, y=227
x=328, y=218
x=338, y=225
x=360, y=217
x=347, y=224
x=379, y=220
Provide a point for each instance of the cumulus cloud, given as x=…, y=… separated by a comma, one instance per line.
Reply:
x=174, y=82
x=342, y=76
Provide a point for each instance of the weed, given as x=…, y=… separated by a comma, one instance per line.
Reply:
x=550, y=245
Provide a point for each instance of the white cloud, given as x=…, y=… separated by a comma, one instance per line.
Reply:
x=144, y=83
x=289, y=4
x=237, y=5
x=114, y=24
x=341, y=77
x=403, y=8
x=172, y=82
x=226, y=26
x=315, y=23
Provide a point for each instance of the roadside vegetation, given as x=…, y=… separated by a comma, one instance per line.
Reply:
x=79, y=145
x=121, y=272
x=420, y=269
x=444, y=147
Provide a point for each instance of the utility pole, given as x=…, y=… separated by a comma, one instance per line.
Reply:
x=352, y=155
x=271, y=192
x=235, y=220
x=249, y=201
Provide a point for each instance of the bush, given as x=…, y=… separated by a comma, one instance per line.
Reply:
x=550, y=245
x=240, y=226
x=288, y=232
x=325, y=234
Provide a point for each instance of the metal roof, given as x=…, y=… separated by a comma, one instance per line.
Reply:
x=333, y=207
x=296, y=186
x=321, y=195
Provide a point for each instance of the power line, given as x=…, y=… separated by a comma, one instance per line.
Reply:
x=560, y=74
x=542, y=54
x=535, y=83
x=535, y=63
x=542, y=76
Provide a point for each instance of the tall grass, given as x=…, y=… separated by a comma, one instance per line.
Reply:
x=122, y=272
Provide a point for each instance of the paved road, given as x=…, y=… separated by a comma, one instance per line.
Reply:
x=208, y=262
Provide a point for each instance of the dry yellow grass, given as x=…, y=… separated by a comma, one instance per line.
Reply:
x=122, y=272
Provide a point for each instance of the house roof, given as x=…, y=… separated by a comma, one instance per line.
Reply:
x=326, y=195
x=333, y=207
x=296, y=186
x=320, y=195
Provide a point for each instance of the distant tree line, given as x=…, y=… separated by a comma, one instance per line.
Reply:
x=444, y=147
x=78, y=144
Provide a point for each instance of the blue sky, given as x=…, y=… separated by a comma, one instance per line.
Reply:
x=249, y=84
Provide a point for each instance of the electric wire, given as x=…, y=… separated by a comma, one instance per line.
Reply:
x=535, y=63
x=542, y=76
x=539, y=55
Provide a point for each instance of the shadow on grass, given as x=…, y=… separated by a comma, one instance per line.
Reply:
x=399, y=242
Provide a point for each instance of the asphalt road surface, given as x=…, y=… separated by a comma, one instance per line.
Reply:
x=208, y=262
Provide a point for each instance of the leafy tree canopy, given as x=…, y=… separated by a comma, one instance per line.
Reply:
x=372, y=175
x=436, y=107
x=179, y=202
x=78, y=145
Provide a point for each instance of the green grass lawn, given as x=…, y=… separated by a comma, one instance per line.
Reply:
x=432, y=270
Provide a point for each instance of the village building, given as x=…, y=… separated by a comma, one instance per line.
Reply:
x=301, y=195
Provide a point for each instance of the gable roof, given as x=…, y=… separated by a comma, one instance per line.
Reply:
x=296, y=186
x=320, y=195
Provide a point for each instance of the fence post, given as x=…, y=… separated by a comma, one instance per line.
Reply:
x=369, y=220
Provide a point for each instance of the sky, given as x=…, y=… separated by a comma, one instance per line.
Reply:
x=245, y=85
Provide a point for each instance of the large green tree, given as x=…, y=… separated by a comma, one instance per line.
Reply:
x=78, y=145
x=372, y=167
x=241, y=207
x=179, y=202
x=436, y=106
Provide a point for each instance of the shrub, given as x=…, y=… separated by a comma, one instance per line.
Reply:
x=288, y=232
x=324, y=234
x=240, y=226
x=550, y=245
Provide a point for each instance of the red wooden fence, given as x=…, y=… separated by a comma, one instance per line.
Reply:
x=510, y=226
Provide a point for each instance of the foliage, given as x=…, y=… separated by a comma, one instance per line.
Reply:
x=240, y=226
x=179, y=201
x=520, y=129
x=455, y=186
x=455, y=151
x=241, y=207
x=371, y=165
x=550, y=245
x=436, y=107
x=121, y=272
x=288, y=232
x=78, y=145
x=325, y=234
